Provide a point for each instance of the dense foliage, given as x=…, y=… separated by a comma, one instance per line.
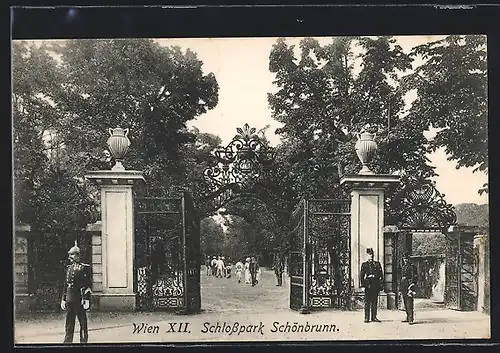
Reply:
x=323, y=102
x=212, y=238
x=67, y=94
x=471, y=214
x=452, y=96
x=428, y=244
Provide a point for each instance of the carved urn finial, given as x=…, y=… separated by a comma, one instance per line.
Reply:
x=118, y=144
x=366, y=148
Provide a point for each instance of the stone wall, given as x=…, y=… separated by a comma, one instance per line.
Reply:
x=21, y=233
x=95, y=233
x=23, y=279
x=387, y=300
x=482, y=250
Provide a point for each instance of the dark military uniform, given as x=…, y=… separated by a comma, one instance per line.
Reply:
x=254, y=267
x=77, y=288
x=372, y=280
x=407, y=288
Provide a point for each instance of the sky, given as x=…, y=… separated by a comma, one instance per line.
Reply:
x=240, y=66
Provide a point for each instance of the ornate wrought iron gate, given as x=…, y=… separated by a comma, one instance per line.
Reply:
x=419, y=207
x=167, y=254
x=402, y=243
x=298, y=258
x=329, y=231
x=191, y=246
x=320, y=271
x=460, y=286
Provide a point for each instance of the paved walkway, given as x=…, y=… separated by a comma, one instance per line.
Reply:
x=238, y=312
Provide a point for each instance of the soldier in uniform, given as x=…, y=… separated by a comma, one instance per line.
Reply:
x=76, y=295
x=407, y=286
x=372, y=281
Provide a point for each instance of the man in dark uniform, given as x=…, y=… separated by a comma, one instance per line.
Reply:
x=254, y=268
x=372, y=281
x=407, y=286
x=278, y=270
x=76, y=295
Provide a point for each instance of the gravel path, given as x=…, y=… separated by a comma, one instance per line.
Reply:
x=237, y=312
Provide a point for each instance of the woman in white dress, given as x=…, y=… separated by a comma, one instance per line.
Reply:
x=248, y=276
x=239, y=270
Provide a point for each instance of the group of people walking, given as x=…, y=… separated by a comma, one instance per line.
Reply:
x=250, y=269
x=372, y=281
x=218, y=266
x=247, y=270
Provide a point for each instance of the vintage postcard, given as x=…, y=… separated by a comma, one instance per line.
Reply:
x=250, y=189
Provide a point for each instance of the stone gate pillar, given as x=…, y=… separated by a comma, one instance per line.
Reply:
x=117, y=221
x=367, y=210
x=481, y=245
x=367, y=220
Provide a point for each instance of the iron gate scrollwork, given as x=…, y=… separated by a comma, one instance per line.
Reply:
x=320, y=256
x=329, y=226
x=420, y=207
x=460, y=283
x=298, y=258
x=191, y=246
x=239, y=168
x=167, y=254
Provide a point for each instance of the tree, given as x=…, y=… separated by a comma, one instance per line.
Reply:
x=242, y=238
x=452, y=96
x=471, y=214
x=322, y=102
x=428, y=244
x=258, y=228
x=196, y=157
x=65, y=97
x=212, y=237
x=239, y=238
x=63, y=209
x=75, y=90
x=33, y=77
x=137, y=84
x=324, y=99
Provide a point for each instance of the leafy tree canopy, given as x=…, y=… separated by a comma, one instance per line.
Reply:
x=67, y=94
x=327, y=93
x=323, y=101
x=452, y=96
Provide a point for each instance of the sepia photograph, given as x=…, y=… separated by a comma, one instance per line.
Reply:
x=275, y=189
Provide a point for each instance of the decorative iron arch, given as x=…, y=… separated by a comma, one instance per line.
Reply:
x=231, y=192
x=419, y=206
x=240, y=170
